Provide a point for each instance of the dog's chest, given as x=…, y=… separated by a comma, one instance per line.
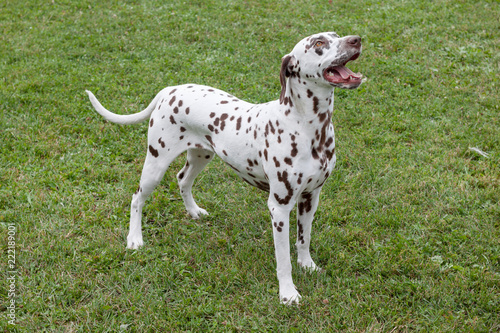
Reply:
x=278, y=148
x=305, y=157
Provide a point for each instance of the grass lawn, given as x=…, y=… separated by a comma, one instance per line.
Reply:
x=408, y=227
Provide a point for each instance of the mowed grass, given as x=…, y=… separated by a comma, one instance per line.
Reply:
x=408, y=227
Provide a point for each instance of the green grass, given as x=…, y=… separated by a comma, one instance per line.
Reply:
x=408, y=228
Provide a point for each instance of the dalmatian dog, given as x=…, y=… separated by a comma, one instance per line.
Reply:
x=285, y=147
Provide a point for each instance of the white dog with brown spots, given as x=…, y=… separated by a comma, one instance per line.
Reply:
x=285, y=147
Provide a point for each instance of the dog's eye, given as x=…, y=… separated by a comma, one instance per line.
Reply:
x=319, y=43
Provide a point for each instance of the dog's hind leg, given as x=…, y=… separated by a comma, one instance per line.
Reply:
x=197, y=159
x=157, y=162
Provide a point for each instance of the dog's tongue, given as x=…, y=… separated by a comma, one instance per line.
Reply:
x=344, y=72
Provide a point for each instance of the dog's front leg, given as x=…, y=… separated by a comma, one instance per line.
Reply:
x=280, y=216
x=306, y=207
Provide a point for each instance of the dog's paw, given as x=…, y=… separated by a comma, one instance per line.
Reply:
x=289, y=294
x=133, y=243
x=290, y=297
x=197, y=212
x=309, y=266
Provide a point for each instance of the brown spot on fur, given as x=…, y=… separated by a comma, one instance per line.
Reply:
x=271, y=127
x=329, y=142
x=294, y=149
x=283, y=177
x=153, y=151
x=279, y=226
x=330, y=153
x=314, y=154
x=315, y=104
x=299, y=180
x=305, y=204
x=162, y=143
x=209, y=138
x=300, y=231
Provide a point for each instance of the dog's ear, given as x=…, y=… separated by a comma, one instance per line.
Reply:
x=287, y=64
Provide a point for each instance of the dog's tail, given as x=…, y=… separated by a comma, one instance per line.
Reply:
x=123, y=119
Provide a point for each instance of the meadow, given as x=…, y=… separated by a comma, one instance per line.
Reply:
x=408, y=227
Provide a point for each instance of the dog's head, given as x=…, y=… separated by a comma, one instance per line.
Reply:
x=321, y=59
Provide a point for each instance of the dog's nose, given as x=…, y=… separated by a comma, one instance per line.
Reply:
x=354, y=41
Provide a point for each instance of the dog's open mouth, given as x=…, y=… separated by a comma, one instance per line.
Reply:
x=343, y=76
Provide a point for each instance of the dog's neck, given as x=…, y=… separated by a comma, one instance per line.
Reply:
x=310, y=101
x=313, y=105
